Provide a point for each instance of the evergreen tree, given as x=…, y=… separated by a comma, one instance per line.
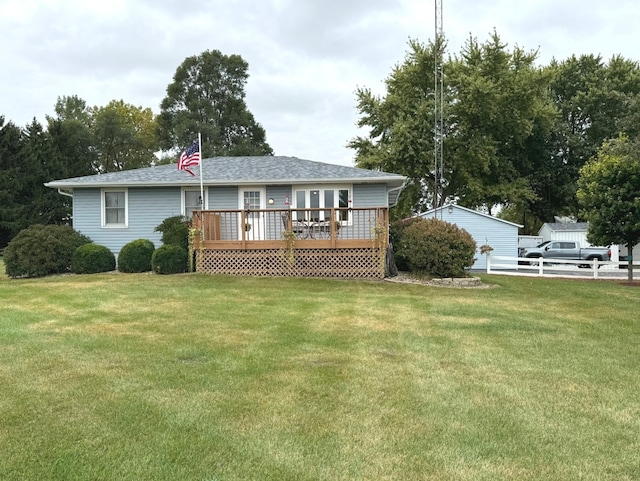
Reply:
x=10, y=180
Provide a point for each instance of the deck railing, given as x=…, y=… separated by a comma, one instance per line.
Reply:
x=308, y=228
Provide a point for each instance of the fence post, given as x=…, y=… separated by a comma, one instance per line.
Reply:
x=595, y=268
x=488, y=262
x=540, y=266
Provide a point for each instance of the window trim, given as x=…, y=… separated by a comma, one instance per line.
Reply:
x=322, y=187
x=183, y=204
x=103, y=208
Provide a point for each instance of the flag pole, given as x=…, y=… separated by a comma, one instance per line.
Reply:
x=201, y=159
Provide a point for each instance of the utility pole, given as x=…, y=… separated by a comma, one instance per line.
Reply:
x=438, y=97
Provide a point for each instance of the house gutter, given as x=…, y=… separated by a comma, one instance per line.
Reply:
x=399, y=189
x=224, y=182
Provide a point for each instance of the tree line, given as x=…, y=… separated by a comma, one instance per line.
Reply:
x=515, y=134
x=206, y=96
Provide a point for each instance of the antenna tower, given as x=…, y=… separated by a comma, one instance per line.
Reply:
x=438, y=94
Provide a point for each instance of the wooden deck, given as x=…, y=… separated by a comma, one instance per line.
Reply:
x=310, y=228
x=343, y=243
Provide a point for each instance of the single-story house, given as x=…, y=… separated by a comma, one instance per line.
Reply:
x=500, y=234
x=332, y=220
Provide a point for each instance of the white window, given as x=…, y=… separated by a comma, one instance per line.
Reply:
x=320, y=199
x=115, y=212
x=191, y=201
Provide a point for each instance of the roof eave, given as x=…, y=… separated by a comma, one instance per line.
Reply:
x=391, y=180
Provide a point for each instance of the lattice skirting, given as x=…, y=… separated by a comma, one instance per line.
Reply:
x=335, y=263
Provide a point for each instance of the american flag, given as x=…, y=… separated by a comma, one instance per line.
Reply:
x=190, y=156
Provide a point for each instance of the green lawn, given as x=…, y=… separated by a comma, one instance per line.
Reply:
x=190, y=377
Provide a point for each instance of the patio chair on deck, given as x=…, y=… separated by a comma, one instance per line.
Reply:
x=299, y=228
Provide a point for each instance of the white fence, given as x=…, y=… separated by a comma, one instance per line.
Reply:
x=558, y=267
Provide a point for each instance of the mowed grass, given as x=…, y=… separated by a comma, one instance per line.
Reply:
x=193, y=377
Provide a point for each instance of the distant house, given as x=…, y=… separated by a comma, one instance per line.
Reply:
x=565, y=231
x=577, y=231
x=334, y=217
x=500, y=234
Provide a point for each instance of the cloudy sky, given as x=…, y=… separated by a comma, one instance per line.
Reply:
x=306, y=57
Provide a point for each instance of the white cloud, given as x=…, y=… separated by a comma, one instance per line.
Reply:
x=306, y=58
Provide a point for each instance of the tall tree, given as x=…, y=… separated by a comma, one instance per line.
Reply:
x=72, y=138
x=10, y=180
x=595, y=101
x=40, y=205
x=496, y=108
x=125, y=136
x=72, y=107
x=400, y=135
x=500, y=116
x=608, y=190
x=29, y=159
x=207, y=97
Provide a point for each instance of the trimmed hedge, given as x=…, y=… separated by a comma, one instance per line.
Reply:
x=175, y=231
x=42, y=250
x=169, y=259
x=91, y=259
x=400, y=248
x=438, y=248
x=136, y=256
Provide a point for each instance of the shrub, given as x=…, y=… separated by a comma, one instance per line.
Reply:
x=175, y=231
x=136, y=256
x=169, y=259
x=92, y=258
x=396, y=231
x=41, y=250
x=438, y=248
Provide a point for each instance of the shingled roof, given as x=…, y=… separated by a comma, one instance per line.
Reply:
x=567, y=226
x=235, y=171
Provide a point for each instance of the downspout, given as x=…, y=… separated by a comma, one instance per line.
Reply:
x=399, y=189
x=390, y=268
x=62, y=192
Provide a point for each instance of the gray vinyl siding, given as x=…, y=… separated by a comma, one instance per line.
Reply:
x=223, y=198
x=279, y=194
x=370, y=195
x=147, y=208
x=86, y=212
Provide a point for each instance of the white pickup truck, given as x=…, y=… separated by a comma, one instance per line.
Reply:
x=566, y=250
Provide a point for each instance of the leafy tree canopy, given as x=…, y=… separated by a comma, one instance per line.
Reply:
x=77, y=141
x=207, y=97
x=500, y=114
x=496, y=107
x=118, y=136
x=608, y=193
x=124, y=136
x=595, y=101
x=71, y=107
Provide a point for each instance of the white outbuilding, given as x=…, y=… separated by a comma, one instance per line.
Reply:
x=577, y=232
x=565, y=231
x=485, y=229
